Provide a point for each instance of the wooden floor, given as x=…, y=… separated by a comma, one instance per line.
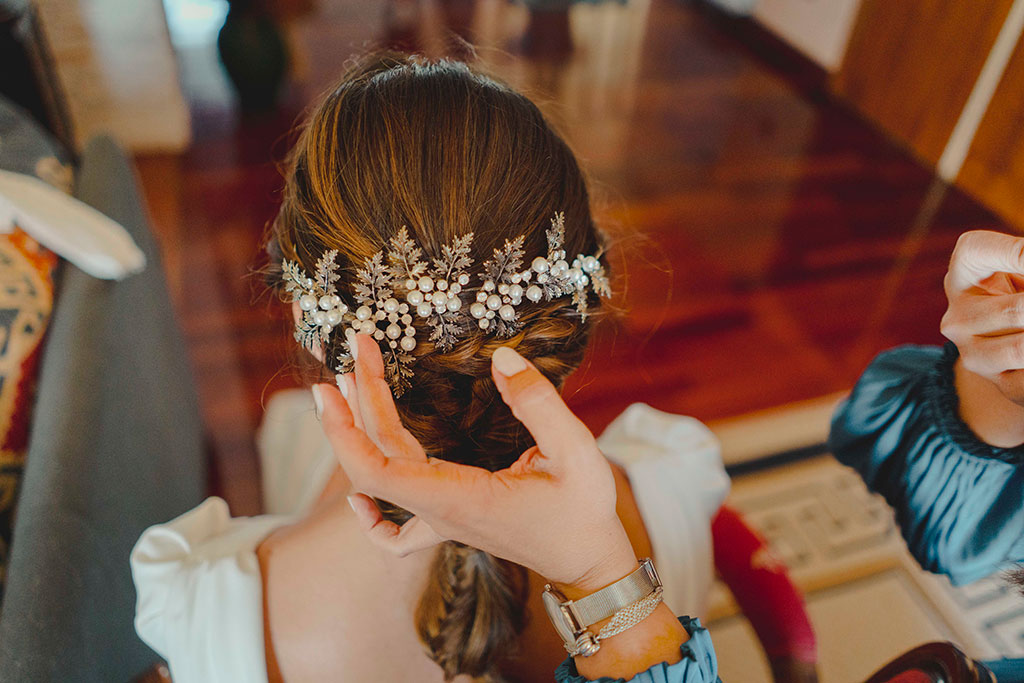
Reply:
x=771, y=242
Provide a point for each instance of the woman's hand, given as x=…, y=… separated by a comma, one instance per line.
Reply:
x=985, y=319
x=552, y=511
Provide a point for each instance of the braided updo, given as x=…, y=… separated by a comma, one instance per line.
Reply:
x=445, y=150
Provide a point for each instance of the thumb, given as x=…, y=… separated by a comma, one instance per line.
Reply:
x=979, y=254
x=535, y=402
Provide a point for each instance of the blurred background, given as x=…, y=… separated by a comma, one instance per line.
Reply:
x=785, y=180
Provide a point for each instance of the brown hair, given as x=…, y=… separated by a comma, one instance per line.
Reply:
x=444, y=150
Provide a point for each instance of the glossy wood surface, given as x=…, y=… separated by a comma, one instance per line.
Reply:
x=994, y=168
x=768, y=242
x=910, y=66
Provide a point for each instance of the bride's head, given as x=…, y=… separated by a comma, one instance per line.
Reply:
x=444, y=151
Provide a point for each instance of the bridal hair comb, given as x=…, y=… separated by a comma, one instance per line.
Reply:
x=391, y=288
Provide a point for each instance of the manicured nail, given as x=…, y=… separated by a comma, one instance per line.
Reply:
x=352, y=503
x=507, y=361
x=342, y=385
x=353, y=347
x=318, y=401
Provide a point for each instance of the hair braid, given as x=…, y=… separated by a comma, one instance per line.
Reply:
x=474, y=603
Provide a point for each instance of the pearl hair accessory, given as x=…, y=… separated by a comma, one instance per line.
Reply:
x=387, y=296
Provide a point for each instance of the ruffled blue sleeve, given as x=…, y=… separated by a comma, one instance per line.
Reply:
x=959, y=502
x=698, y=664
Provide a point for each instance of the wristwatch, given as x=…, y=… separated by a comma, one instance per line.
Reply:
x=572, y=618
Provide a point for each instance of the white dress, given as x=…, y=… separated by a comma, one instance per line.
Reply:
x=200, y=598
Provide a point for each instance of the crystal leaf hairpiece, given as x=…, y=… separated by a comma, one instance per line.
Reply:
x=387, y=294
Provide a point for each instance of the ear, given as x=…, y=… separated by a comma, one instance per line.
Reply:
x=316, y=352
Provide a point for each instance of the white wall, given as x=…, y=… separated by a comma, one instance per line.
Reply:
x=117, y=68
x=818, y=28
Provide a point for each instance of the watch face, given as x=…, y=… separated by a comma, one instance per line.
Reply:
x=554, y=608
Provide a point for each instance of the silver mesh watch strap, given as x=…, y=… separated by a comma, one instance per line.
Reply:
x=624, y=592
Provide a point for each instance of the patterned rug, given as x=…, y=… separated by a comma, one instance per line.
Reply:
x=867, y=598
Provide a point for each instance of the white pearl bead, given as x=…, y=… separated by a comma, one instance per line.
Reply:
x=574, y=275
x=407, y=319
x=507, y=312
x=410, y=331
x=343, y=309
x=488, y=286
x=502, y=288
x=427, y=296
x=455, y=288
x=542, y=277
x=454, y=304
x=463, y=279
x=378, y=335
x=410, y=284
x=442, y=285
x=394, y=331
x=440, y=299
x=425, y=284
x=424, y=310
x=516, y=277
x=368, y=327
x=391, y=305
x=590, y=264
x=489, y=315
x=364, y=313
x=540, y=264
x=308, y=283
x=408, y=343
x=484, y=323
x=515, y=291
x=526, y=275
x=534, y=293
x=325, y=302
x=307, y=302
x=320, y=317
x=327, y=328
x=403, y=309
x=494, y=302
x=478, y=310
x=380, y=315
x=333, y=317
x=392, y=343
x=393, y=317
x=415, y=297
x=481, y=296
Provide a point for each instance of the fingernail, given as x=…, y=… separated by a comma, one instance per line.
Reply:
x=318, y=401
x=342, y=385
x=353, y=347
x=507, y=361
x=352, y=503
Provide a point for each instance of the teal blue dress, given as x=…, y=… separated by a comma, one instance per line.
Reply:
x=959, y=502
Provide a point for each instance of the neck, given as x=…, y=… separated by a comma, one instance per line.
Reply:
x=338, y=485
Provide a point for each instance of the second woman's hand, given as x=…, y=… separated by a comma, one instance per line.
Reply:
x=985, y=319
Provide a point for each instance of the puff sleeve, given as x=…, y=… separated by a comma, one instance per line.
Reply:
x=199, y=594
x=959, y=502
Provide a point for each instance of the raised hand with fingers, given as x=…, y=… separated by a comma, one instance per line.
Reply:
x=985, y=319
x=552, y=511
